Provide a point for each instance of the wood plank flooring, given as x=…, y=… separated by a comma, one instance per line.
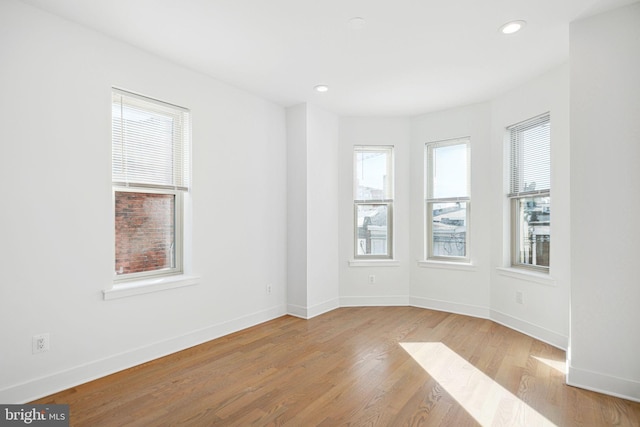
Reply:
x=366, y=366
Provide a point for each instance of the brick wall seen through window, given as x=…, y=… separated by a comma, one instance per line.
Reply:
x=145, y=231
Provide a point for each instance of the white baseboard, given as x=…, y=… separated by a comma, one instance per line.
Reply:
x=535, y=331
x=374, y=301
x=313, y=311
x=324, y=307
x=450, y=307
x=44, y=386
x=602, y=383
x=297, y=311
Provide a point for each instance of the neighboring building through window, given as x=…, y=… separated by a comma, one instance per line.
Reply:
x=530, y=191
x=150, y=147
x=447, y=199
x=373, y=202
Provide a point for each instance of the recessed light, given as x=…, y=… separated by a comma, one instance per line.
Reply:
x=512, y=27
x=321, y=88
x=356, y=23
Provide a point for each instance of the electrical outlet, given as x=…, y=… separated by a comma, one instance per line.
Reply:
x=40, y=343
x=268, y=288
x=519, y=297
x=372, y=278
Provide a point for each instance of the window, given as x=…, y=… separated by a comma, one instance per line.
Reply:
x=150, y=146
x=373, y=202
x=447, y=199
x=529, y=191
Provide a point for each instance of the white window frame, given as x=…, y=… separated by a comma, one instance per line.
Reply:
x=177, y=186
x=387, y=201
x=431, y=200
x=517, y=194
x=178, y=267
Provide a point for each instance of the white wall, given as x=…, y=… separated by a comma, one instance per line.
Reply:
x=461, y=289
x=57, y=222
x=605, y=202
x=312, y=179
x=545, y=311
x=297, y=210
x=391, y=285
x=322, y=210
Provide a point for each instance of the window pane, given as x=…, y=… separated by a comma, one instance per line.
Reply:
x=145, y=232
x=448, y=229
x=373, y=174
x=533, y=231
x=372, y=234
x=449, y=171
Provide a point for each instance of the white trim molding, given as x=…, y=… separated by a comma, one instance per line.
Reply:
x=603, y=383
x=297, y=311
x=450, y=307
x=447, y=265
x=535, y=331
x=145, y=286
x=324, y=307
x=374, y=301
x=374, y=263
x=530, y=276
x=313, y=311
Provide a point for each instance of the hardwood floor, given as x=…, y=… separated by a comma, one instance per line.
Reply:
x=368, y=366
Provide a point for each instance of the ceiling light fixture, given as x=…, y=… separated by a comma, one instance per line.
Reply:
x=357, y=23
x=512, y=27
x=321, y=88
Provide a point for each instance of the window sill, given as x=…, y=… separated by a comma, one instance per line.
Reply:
x=373, y=263
x=449, y=265
x=145, y=286
x=531, y=276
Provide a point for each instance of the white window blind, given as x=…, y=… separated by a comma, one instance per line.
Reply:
x=150, y=142
x=530, y=157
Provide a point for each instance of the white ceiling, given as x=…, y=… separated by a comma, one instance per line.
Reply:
x=412, y=56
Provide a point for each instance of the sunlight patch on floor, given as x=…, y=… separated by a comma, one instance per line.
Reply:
x=483, y=398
